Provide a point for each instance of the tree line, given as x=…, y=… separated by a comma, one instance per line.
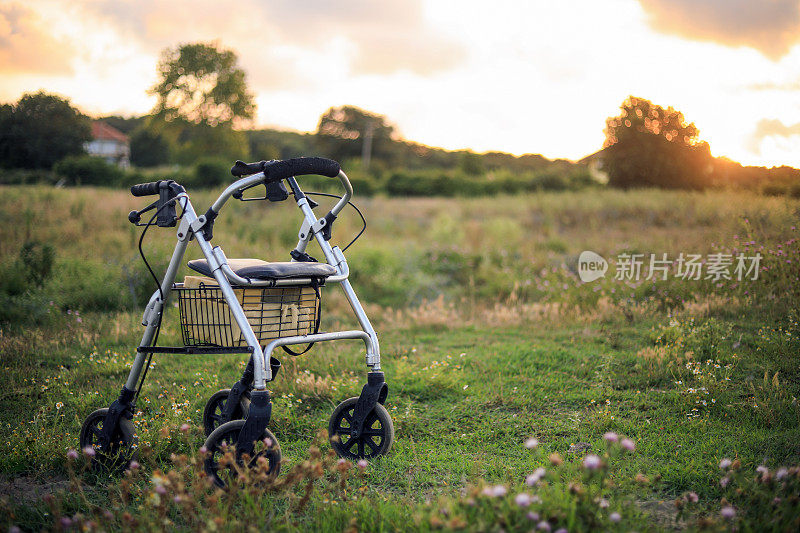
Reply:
x=203, y=120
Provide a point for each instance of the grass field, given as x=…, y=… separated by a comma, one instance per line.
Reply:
x=488, y=339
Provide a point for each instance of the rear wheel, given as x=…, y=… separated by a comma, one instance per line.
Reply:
x=122, y=448
x=375, y=439
x=223, y=440
x=215, y=406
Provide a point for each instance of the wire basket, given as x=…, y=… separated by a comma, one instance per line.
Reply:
x=273, y=313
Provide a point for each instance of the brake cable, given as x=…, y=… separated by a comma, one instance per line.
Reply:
x=363, y=220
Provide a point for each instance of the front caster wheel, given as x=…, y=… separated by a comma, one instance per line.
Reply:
x=222, y=441
x=376, y=438
x=215, y=406
x=122, y=448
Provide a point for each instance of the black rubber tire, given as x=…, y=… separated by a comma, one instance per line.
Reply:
x=376, y=439
x=228, y=433
x=123, y=448
x=215, y=405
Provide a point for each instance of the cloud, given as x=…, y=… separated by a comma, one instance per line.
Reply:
x=790, y=86
x=770, y=127
x=382, y=37
x=28, y=45
x=770, y=26
x=387, y=36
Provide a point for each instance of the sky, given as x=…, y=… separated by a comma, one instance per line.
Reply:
x=525, y=76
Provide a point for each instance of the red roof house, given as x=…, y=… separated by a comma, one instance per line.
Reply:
x=110, y=144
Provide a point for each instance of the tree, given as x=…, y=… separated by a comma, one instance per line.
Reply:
x=202, y=84
x=149, y=147
x=348, y=132
x=647, y=145
x=39, y=130
x=471, y=164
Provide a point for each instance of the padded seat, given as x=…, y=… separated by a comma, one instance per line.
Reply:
x=263, y=270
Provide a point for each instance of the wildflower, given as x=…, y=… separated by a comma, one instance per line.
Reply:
x=555, y=459
x=72, y=454
x=533, y=517
x=763, y=470
x=66, y=522
x=14, y=529
x=531, y=443
x=59, y=405
x=727, y=512
x=523, y=499
x=561, y=530
x=693, y=497
x=89, y=451
x=177, y=498
x=724, y=482
x=611, y=436
x=268, y=442
x=341, y=462
x=185, y=428
x=133, y=466
x=544, y=526
x=362, y=464
x=203, y=450
x=161, y=489
x=628, y=444
x=614, y=517
x=603, y=503
x=725, y=463
x=591, y=462
x=498, y=491
x=781, y=473
x=534, y=478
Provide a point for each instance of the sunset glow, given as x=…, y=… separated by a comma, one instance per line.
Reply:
x=515, y=76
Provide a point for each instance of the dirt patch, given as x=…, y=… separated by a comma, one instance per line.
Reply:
x=663, y=514
x=28, y=489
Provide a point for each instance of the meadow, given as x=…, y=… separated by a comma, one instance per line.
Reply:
x=522, y=397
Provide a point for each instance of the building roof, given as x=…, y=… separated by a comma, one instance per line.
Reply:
x=102, y=131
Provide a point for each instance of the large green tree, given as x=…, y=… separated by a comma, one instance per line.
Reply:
x=202, y=84
x=39, y=130
x=650, y=146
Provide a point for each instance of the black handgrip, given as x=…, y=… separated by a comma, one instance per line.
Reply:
x=278, y=170
x=146, y=189
x=240, y=168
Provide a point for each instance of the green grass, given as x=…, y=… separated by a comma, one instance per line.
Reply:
x=471, y=376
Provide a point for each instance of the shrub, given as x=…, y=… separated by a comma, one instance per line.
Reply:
x=88, y=287
x=211, y=172
x=21, y=297
x=19, y=176
x=37, y=259
x=549, y=181
x=88, y=170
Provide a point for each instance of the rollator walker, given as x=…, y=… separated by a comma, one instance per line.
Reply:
x=247, y=306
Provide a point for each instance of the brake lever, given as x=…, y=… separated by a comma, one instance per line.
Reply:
x=273, y=191
x=135, y=216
